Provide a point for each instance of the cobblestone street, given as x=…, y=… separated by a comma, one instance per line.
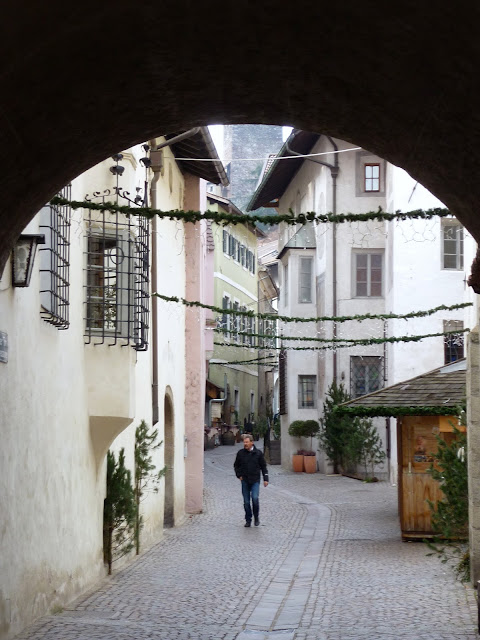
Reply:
x=326, y=563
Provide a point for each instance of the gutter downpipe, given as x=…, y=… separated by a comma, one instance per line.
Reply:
x=217, y=400
x=156, y=158
x=334, y=169
x=334, y=173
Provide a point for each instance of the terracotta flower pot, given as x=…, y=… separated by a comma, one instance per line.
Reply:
x=297, y=462
x=310, y=464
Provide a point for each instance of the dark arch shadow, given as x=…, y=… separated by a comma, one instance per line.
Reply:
x=83, y=80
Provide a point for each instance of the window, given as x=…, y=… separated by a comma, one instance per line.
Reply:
x=454, y=343
x=55, y=263
x=285, y=284
x=117, y=278
x=372, y=177
x=236, y=399
x=243, y=255
x=252, y=331
x=236, y=322
x=368, y=276
x=231, y=246
x=226, y=236
x=366, y=375
x=452, y=245
x=305, y=284
x=226, y=317
x=306, y=392
x=252, y=402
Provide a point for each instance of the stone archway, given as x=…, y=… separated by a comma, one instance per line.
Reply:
x=82, y=80
x=169, y=444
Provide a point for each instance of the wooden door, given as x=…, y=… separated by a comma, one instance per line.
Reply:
x=416, y=486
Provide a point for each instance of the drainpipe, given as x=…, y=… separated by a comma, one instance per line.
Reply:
x=156, y=159
x=334, y=173
x=334, y=169
x=217, y=400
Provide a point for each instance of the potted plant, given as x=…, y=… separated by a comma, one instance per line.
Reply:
x=305, y=429
x=296, y=430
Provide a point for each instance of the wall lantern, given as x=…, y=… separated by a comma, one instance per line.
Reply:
x=23, y=257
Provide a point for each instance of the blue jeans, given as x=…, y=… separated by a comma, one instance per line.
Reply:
x=250, y=490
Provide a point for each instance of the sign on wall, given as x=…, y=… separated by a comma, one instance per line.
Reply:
x=3, y=346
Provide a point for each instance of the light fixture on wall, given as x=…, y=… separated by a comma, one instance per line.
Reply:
x=23, y=258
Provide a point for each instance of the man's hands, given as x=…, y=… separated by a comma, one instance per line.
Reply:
x=265, y=483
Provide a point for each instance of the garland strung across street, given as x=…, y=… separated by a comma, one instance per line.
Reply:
x=274, y=316
x=263, y=360
x=343, y=344
x=231, y=218
x=349, y=341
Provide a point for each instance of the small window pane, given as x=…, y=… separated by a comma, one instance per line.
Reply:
x=306, y=391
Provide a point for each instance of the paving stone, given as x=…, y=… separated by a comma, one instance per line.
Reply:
x=327, y=563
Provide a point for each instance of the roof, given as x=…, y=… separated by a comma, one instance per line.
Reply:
x=225, y=203
x=230, y=207
x=197, y=147
x=438, y=392
x=281, y=172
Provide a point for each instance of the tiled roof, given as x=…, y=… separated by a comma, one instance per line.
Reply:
x=441, y=388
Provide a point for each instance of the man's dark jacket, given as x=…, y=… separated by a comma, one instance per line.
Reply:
x=248, y=465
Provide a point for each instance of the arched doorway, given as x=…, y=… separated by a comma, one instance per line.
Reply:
x=169, y=443
x=414, y=104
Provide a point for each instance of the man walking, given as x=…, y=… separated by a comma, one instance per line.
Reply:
x=248, y=464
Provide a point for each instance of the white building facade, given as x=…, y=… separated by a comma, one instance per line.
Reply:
x=85, y=358
x=350, y=269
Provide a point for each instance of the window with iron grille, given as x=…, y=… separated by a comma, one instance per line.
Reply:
x=368, y=274
x=305, y=280
x=452, y=245
x=454, y=345
x=282, y=382
x=54, y=256
x=117, y=279
x=225, y=237
x=366, y=375
x=307, y=387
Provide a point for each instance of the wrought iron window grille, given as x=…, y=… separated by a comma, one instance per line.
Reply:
x=117, y=300
x=55, y=223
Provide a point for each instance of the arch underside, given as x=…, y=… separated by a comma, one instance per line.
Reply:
x=81, y=81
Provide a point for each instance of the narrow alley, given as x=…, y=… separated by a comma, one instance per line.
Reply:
x=326, y=563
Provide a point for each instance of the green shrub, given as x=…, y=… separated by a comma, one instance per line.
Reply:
x=450, y=514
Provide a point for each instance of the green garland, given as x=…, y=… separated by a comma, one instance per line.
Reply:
x=230, y=218
x=363, y=411
x=263, y=360
x=338, y=319
x=340, y=343
x=353, y=341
